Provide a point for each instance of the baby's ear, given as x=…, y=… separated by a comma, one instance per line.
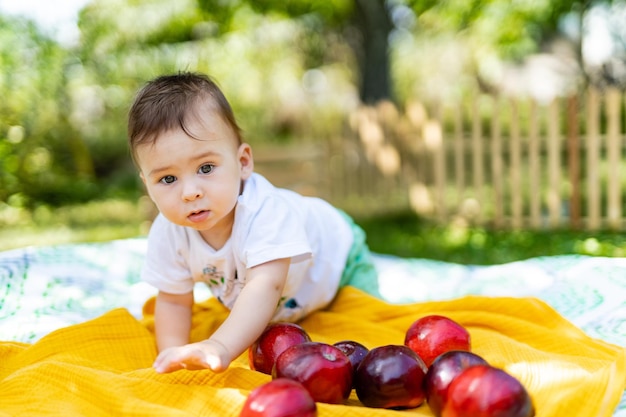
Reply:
x=246, y=162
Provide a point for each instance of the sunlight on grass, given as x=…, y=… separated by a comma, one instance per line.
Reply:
x=405, y=234
x=41, y=236
x=401, y=234
x=91, y=222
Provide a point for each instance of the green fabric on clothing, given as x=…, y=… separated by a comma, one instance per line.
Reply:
x=359, y=271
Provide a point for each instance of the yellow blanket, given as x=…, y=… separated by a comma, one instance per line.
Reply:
x=103, y=367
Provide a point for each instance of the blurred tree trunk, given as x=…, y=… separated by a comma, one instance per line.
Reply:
x=372, y=50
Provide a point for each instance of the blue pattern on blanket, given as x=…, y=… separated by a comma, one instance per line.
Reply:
x=45, y=288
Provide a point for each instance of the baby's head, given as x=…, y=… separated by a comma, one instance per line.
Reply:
x=173, y=102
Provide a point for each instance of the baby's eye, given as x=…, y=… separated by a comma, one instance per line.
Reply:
x=205, y=169
x=168, y=179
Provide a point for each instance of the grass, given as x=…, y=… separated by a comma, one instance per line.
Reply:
x=402, y=234
x=93, y=222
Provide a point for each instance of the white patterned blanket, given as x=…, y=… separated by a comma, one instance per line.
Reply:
x=45, y=288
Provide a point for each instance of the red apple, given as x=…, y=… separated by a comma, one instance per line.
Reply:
x=279, y=398
x=354, y=351
x=486, y=391
x=391, y=376
x=430, y=336
x=323, y=369
x=443, y=370
x=273, y=341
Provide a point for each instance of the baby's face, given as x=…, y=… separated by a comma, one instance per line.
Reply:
x=195, y=182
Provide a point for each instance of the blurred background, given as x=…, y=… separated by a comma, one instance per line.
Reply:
x=469, y=131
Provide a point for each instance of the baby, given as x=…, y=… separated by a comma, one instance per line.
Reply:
x=267, y=254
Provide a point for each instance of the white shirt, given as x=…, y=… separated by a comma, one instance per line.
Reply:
x=270, y=223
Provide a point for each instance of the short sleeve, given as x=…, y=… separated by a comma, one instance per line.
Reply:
x=165, y=267
x=276, y=229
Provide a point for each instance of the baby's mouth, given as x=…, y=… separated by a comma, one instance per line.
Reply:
x=198, y=216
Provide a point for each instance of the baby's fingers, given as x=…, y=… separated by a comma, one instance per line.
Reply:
x=174, y=359
x=169, y=360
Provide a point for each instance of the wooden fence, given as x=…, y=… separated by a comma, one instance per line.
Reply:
x=497, y=162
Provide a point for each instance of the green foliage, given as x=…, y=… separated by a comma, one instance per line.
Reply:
x=41, y=154
x=406, y=235
x=510, y=29
x=333, y=12
x=288, y=68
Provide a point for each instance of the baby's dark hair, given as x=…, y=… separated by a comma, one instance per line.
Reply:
x=168, y=101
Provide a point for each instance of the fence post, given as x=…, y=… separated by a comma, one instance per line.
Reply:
x=477, y=159
x=573, y=149
x=434, y=137
x=613, y=110
x=497, y=163
x=593, y=159
x=459, y=156
x=515, y=150
x=534, y=149
x=554, y=164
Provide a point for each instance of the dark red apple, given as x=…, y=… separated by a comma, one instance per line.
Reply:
x=355, y=351
x=430, y=336
x=273, y=341
x=323, y=369
x=486, y=391
x=391, y=376
x=279, y=398
x=443, y=370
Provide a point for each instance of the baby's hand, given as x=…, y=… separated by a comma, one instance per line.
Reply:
x=203, y=355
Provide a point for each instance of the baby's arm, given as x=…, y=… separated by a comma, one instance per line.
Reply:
x=251, y=313
x=172, y=319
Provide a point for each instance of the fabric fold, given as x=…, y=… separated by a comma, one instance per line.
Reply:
x=102, y=367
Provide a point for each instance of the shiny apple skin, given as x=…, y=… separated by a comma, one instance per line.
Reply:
x=279, y=398
x=324, y=370
x=392, y=377
x=432, y=335
x=272, y=342
x=443, y=370
x=355, y=351
x=486, y=391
